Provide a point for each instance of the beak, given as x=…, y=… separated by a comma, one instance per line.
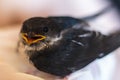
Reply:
x=32, y=40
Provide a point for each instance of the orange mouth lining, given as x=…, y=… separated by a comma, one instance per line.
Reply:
x=34, y=39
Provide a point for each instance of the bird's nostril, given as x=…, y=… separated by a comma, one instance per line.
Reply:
x=30, y=35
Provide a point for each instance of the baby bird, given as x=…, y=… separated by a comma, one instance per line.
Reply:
x=63, y=45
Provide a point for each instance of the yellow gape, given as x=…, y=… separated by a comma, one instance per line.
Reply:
x=33, y=39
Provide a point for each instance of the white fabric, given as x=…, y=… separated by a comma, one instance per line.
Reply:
x=106, y=68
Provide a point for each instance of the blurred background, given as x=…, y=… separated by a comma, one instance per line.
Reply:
x=14, y=12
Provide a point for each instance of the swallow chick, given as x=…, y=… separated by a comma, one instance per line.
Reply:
x=63, y=45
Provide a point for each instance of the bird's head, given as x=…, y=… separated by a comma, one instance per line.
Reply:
x=39, y=33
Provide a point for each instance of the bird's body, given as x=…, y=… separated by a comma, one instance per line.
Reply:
x=62, y=45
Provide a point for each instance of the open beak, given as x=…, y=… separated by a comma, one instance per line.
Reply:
x=32, y=40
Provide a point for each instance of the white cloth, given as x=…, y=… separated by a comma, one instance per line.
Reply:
x=106, y=68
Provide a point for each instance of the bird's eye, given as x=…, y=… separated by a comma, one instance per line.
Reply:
x=45, y=29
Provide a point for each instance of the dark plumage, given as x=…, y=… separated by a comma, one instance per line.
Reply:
x=62, y=45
